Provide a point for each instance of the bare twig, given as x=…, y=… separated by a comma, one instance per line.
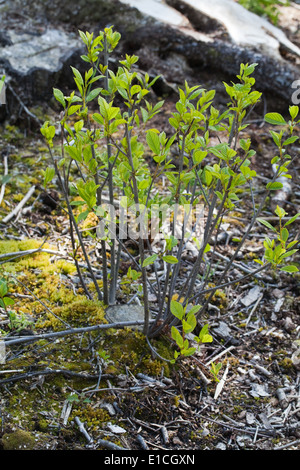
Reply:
x=142, y=442
x=19, y=206
x=5, y=173
x=23, y=106
x=109, y=445
x=83, y=430
x=19, y=254
x=290, y=444
x=72, y=331
x=221, y=384
x=29, y=375
x=253, y=309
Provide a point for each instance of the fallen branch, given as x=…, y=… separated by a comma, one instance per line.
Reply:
x=29, y=375
x=109, y=445
x=83, y=430
x=23, y=106
x=71, y=331
x=20, y=254
x=221, y=384
x=19, y=206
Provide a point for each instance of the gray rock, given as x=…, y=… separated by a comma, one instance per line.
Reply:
x=221, y=446
x=223, y=330
x=251, y=296
x=35, y=63
x=121, y=313
x=27, y=51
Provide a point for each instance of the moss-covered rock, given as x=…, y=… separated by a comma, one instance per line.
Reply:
x=18, y=440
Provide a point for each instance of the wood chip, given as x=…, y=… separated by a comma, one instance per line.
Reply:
x=251, y=296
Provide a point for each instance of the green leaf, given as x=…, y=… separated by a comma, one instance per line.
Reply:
x=288, y=253
x=290, y=269
x=83, y=215
x=2, y=82
x=170, y=259
x=194, y=310
x=93, y=94
x=204, y=337
x=290, y=140
x=284, y=234
x=8, y=301
x=294, y=110
x=198, y=156
x=5, y=179
x=189, y=324
x=112, y=112
x=188, y=352
x=98, y=118
x=177, y=309
x=149, y=260
x=135, y=89
x=73, y=109
x=59, y=96
x=77, y=75
x=291, y=244
x=3, y=288
x=177, y=337
x=78, y=125
x=276, y=137
x=48, y=175
x=274, y=186
x=78, y=203
x=153, y=141
x=275, y=119
x=48, y=132
x=144, y=184
x=73, y=398
x=275, y=160
x=74, y=152
x=292, y=219
x=267, y=224
x=280, y=212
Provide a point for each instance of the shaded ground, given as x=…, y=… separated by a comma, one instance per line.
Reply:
x=141, y=401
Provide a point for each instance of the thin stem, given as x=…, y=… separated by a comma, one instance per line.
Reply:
x=70, y=211
x=113, y=272
x=141, y=241
x=202, y=292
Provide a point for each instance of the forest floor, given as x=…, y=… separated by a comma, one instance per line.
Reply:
x=106, y=390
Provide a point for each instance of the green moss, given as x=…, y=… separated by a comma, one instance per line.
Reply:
x=18, y=440
x=78, y=311
x=64, y=267
x=36, y=260
x=286, y=363
x=12, y=134
x=42, y=425
x=93, y=417
x=129, y=349
x=153, y=366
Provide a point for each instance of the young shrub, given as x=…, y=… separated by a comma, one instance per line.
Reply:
x=107, y=148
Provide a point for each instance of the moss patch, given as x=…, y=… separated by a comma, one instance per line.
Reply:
x=18, y=440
